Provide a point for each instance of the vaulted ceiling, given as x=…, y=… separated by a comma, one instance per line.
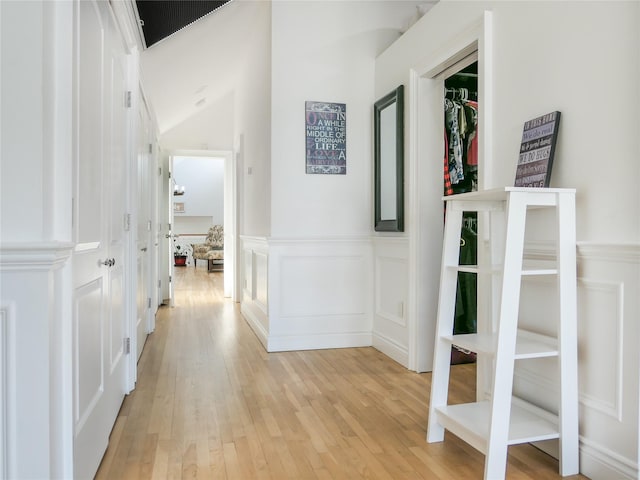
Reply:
x=195, y=67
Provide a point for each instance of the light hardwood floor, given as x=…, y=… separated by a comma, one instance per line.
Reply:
x=211, y=403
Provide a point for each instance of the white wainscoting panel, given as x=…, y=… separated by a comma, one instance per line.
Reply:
x=261, y=280
x=7, y=387
x=35, y=408
x=254, y=301
x=88, y=379
x=390, y=329
x=608, y=359
x=320, y=293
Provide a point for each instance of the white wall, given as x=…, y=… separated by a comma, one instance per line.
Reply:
x=35, y=231
x=252, y=130
x=325, y=51
x=582, y=59
x=209, y=129
x=203, y=179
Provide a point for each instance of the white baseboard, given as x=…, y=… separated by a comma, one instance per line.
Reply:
x=597, y=462
x=252, y=315
x=285, y=343
x=391, y=349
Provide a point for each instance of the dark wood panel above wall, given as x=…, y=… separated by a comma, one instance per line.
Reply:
x=161, y=18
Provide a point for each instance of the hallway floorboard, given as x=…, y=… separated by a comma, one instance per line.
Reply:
x=211, y=403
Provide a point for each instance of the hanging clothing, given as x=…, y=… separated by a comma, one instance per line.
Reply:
x=461, y=145
x=448, y=190
x=456, y=168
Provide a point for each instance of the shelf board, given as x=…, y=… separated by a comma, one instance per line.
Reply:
x=528, y=344
x=528, y=268
x=470, y=422
x=501, y=194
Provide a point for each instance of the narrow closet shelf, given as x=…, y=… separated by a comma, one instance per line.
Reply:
x=471, y=421
x=528, y=344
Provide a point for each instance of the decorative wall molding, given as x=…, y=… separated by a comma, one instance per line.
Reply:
x=7, y=427
x=607, y=311
x=321, y=240
x=613, y=406
x=295, y=296
x=613, y=252
x=34, y=256
x=388, y=240
x=254, y=300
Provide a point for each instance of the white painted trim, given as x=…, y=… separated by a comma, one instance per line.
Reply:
x=34, y=256
x=379, y=240
x=323, y=240
x=284, y=343
x=390, y=348
x=7, y=388
x=611, y=252
x=602, y=462
x=613, y=409
x=253, y=319
x=476, y=37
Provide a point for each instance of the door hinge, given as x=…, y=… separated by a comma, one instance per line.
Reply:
x=169, y=278
x=169, y=174
x=149, y=302
x=127, y=346
x=127, y=222
x=159, y=171
x=169, y=227
x=127, y=99
x=150, y=148
x=159, y=283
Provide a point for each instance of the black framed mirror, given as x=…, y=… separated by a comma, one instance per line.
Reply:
x=389, y=162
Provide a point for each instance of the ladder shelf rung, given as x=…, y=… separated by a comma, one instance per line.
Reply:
x=470, y=422
x=528, y=344
x=528, y=269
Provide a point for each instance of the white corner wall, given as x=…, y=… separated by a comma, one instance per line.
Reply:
x=36, y=425
x=585, y=63
x=317, y=264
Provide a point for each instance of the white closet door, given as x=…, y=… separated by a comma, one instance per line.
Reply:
x=98, y=261
x=143, y=293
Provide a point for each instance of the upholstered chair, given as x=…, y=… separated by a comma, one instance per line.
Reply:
x=211, y=250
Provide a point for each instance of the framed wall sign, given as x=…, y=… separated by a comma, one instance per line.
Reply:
x=326, y=137
x=536, y=151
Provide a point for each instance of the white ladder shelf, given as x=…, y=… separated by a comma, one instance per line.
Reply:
x=492, y=425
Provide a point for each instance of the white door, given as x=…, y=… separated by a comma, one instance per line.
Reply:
x=143, y=293
x=98, y=262
x=170, y=235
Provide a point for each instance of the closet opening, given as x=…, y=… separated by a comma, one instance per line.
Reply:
x=460, y=171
